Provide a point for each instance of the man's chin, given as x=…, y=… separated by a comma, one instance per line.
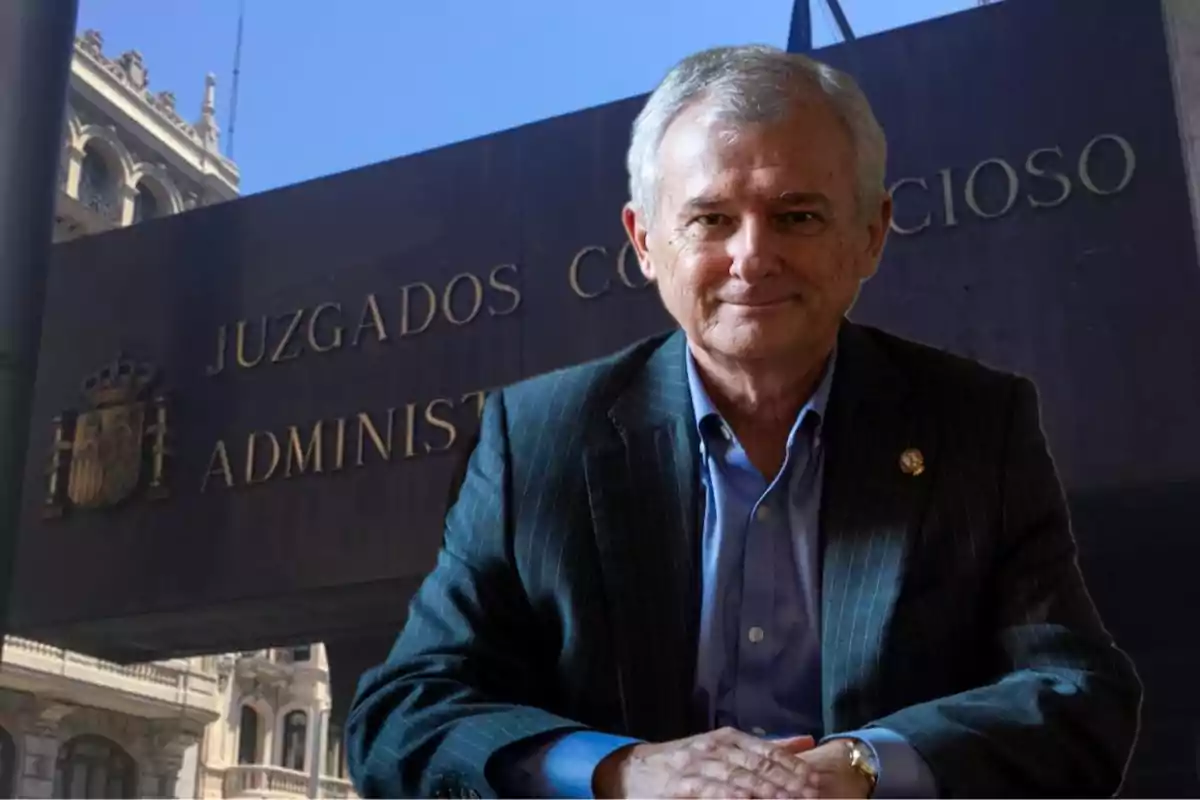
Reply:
x=759, y=346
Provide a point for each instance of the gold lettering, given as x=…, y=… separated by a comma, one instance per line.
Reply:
x=306, y=458
x=926, y=222
x=1085, y=170
x=278, y=356
x=948, y=198
x=439, y=422
x=410, y=429
x=448, y=298
x=573, y=272
x=218, y=464
x=219, y=366
x=429, y=293
x=623, y=265
x=384, y=446
x=1062, y=180
x=339, y=447
x=312, y=328
x=507, y=288
x=480, y=397
x=241, y=344
x=1014, y=186
x=251, y=457
x=375, y=321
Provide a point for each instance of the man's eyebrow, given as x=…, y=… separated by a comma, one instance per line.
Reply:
x=711, y=202
x=805, y=199
x=703, y=203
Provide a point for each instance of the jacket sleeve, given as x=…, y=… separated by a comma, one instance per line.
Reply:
x=1063, y=715
x=466, y=676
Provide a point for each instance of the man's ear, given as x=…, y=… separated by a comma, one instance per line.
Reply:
x=635, y=229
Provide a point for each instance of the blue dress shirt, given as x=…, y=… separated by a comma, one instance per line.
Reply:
x=758, y=665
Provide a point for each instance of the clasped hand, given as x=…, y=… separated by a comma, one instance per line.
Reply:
x=728, y=763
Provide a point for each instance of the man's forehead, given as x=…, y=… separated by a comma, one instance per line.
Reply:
x=703, y=140
x=704, y=177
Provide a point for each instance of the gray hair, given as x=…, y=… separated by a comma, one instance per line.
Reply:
x=748, y=85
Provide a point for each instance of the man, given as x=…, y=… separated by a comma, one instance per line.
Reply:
x=774, y=554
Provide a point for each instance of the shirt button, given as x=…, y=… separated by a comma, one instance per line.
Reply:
x=762, y=514
x=758, y=731
x=755, y=634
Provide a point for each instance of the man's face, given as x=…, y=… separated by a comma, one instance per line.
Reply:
x=757, y=242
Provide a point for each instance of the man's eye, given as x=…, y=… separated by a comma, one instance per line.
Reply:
x=711, y=220
x=800, y=217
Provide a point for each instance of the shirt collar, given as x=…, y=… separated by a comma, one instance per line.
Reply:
x=703, y=408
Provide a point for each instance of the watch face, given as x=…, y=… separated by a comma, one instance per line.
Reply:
x=861, y=758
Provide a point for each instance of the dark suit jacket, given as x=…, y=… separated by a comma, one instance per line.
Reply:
x=566, y=594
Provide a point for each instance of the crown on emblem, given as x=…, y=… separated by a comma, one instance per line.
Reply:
x=119, y=382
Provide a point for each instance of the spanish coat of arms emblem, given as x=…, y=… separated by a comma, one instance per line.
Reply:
x=103, y=453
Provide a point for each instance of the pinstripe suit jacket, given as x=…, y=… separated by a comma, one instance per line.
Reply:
x=566, y=594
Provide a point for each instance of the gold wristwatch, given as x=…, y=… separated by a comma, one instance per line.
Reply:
x=862, y=761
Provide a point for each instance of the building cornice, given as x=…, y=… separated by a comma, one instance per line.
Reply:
x=153, y=113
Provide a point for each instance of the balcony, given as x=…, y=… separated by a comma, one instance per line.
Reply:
x=155, y=690
x=280, y=663
x=73, y=218
x=337, y=788
x=265, y=781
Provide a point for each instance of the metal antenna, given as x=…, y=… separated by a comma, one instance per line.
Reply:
x=237, y=71
x=839, y=16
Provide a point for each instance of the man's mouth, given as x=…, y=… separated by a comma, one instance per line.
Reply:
x=761, y=302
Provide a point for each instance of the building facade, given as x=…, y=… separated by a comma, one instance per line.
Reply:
x=127, y=153
x=237, y=725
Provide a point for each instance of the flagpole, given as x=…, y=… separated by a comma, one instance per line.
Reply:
x=36, y=40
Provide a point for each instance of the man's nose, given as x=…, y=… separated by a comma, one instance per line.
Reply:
x=754, y=250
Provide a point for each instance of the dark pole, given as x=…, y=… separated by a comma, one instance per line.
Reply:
x=839, y=17
x=36, y=40
x=800, y=34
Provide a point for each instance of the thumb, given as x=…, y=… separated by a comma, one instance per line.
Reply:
x=796, y=744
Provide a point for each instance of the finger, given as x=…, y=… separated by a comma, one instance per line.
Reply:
x=701, y=786
x=718, y=790
x=762, y=775
x=781, y=756
x=795, y=744
x=752, y=744
x=766, y=787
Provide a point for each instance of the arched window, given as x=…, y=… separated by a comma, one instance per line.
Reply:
x=97, y=184
x=145, y=205
x=94, y=767
x=295, y=739
x=8, y=764
x=248, y=737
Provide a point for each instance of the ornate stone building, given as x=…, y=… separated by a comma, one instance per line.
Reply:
x=127, y=153
x=235, y=725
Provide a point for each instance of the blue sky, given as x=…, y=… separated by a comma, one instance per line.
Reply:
x=327, y=87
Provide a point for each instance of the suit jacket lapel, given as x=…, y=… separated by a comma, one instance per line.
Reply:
x=643, y=487
x=870, y=510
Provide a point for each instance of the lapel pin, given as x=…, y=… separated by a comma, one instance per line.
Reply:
x=912, y=462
